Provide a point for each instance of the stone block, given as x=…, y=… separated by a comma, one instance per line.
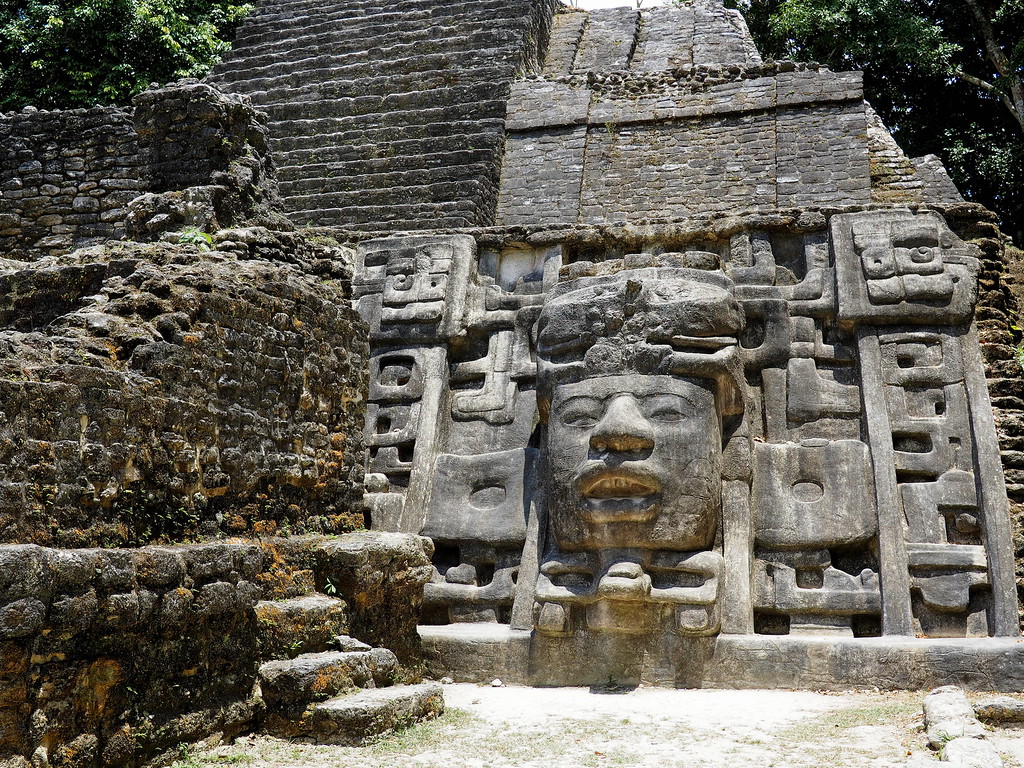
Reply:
x=318, y=676
x=300, y=625
x=373, y=714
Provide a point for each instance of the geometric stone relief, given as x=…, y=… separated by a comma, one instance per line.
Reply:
x=813, y=495
x=479, y=498
x=774, y=432
x=902, y=267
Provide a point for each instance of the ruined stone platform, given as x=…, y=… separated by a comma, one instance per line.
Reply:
x=482, y=652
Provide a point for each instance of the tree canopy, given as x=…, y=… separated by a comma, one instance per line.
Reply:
x=946, y=76
x=76, y=53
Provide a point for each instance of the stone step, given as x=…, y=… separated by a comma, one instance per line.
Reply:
x=459, y=62
x=285, y=118
x=334, y=43
x=389, y=189
x=485, y=130
x=373, y=173
x=282, y=36
x=317, y=676
x=356, y=32
x=362, y=717
x=462, y=101
x=396, y=11
x=300, y=625
x=348, y=99
x=327, y=69
x=403, y=8
x=376, y=6
x=330, y=81
x=432, y=152
x=300, y=180
x=448, y=214
x=344, y=161
x=368, y=216
x=280, y=24
x=460, y=188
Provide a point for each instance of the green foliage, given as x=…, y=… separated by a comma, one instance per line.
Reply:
x=201, y=240
x=76, y=53
x=330, y=588
x=944, y=82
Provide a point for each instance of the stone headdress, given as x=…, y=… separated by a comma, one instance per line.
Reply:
x=652, y=320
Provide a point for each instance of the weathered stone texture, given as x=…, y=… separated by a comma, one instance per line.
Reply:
x=159, y=392
x=110, y=657
x=408, y=138
x=651, y=171
x=663, y=38
x=67, y=177
x=566, y=31
x=206, y=162
x=895, y=178
x=820, y=155
x=608, y=40
x=382, y=576
x=682, y=142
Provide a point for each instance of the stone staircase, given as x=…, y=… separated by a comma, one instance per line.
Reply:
x=329, y=688
x=386, y=113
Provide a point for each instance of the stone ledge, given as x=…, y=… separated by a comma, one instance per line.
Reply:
x=481, y=652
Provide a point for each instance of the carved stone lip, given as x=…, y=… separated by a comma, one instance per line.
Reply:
x=618, y=483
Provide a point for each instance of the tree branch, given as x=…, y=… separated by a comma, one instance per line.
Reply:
x=1014, y=98
x=993, y=50
x=992, y=90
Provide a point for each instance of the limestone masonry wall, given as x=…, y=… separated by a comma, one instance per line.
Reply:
x=111, y=657
x=614, y=146
x=156, y=392
x=67, y=177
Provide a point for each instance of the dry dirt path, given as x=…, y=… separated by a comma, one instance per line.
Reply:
x=488, y=727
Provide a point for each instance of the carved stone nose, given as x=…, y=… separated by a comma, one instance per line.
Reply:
x=623, y=428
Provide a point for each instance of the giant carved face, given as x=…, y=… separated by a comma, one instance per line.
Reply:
x=634, y=461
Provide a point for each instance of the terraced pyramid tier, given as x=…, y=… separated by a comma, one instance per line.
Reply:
x=386, y=113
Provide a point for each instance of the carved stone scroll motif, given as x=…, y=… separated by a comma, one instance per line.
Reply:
x=452, y=407
x=910, y=285
x=902, y=267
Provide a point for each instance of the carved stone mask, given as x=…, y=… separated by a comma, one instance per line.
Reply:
x=635, y=371
x=635, y=462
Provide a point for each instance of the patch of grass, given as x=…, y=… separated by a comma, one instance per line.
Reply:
x=425, y=736
x=896, y=707
x=188, y=757
x=192, y=757
x=821, y=736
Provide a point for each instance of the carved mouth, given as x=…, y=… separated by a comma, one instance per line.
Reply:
x=603, y=482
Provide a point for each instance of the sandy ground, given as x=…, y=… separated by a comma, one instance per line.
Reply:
x=490, y=727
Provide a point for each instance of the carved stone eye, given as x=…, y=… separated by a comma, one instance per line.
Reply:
x=488, y=496
x=581, y=412
x=667, y=408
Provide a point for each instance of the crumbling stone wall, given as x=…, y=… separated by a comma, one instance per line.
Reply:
x=998, y=317
x=67, y=177
x=159, y=392
x=110, y=657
